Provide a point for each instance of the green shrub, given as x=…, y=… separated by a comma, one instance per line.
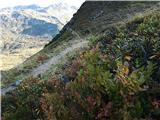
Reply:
x=116, y=79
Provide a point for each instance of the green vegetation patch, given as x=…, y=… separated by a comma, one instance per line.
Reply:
x=116, y=79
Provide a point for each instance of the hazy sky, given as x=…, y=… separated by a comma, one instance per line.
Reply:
x=43, y=3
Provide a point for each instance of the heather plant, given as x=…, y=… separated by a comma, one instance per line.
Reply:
x=24, y=103
x=112, y=80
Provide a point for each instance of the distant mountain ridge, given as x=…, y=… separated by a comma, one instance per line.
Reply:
x=32, y=26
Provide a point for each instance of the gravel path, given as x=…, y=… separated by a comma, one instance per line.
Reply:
x=56, y=59
x=46, y=66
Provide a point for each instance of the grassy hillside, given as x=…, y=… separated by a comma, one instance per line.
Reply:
x=116, y=79
x=92, y=18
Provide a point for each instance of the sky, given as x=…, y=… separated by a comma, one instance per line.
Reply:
x=43, y=3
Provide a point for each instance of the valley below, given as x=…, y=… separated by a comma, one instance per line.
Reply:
x=26, y=29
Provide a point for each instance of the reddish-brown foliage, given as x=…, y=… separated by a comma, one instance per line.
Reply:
x=42, y=58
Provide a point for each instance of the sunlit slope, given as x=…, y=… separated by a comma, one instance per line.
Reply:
x=28, y=28
x=91, y=18
x=116, y=78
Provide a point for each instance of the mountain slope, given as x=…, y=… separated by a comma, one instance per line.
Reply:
x=26, y=29
x=117, y=77
x=97, y=20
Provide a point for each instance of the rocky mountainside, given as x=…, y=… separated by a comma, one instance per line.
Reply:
x=26, y=29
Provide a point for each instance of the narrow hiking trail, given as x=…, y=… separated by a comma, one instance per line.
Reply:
x=57, y=59
x=80, y=43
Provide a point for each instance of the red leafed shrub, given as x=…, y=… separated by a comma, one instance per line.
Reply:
x=42, y=58
x=105, y=112
x=91, y=103
x=156, y=103
x=71, y=71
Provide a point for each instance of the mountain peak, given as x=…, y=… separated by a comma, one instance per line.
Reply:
x=23, y=7
x=31, y=26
